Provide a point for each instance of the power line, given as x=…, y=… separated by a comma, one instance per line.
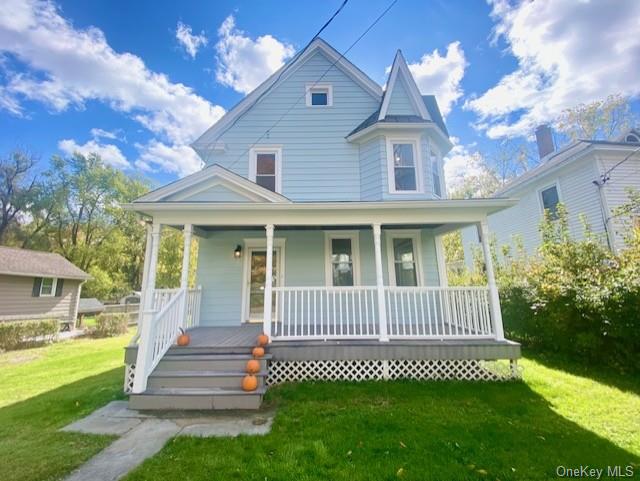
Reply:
x=605, y=176
x=340, y=57
x=284, y=69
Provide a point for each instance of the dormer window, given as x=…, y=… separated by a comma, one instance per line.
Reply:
x=403, y=166
x=319, y=95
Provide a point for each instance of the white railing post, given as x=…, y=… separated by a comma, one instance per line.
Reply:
x=494, y=297
x=146, y=331
x=268, y=282
x=184, y=278
x=143, y=285
x=382, y=309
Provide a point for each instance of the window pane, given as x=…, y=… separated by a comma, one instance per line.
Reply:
x=403, y=250
x=47, y=286
x=405, y=178
x=340, y=250
x=342, y=274
x=436, y=176
x=266, y=164
x=406, y=274
x=550, y=201
x=403, y=155
x=267, y=181
x=319, y=98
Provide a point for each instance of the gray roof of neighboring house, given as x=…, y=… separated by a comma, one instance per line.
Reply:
x=90, y=305
x=23, y=262
x=430, y=103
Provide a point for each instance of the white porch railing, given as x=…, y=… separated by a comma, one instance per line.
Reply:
x=192, y=312
x=162, y=296
x=439, y=312
x=325, y=312
x=352, y=312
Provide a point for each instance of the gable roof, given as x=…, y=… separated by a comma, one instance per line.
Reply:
x=231, y=180
x=317, y=45
x=25, y=262
x=400, y=72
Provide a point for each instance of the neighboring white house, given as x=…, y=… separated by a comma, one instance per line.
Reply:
x=589, y=177
x=318, y=218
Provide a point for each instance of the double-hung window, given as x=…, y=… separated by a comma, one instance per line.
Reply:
x=403, y=255
x=550, y=200
x=403, y=164
x=48, y=287
x=435, y=172
x=342, y=258
x=265, y=167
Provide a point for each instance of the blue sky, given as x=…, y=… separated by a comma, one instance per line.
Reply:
x=114, y=76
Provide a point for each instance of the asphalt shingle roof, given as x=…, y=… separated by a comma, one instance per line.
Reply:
x=24, y=262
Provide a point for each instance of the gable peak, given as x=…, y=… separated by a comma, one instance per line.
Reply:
x=400, y=72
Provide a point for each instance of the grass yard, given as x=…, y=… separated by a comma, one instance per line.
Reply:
x=559, y=415
x=44, y=389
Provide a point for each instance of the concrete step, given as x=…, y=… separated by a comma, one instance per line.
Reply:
x=209, y=362
x=200, y=379
x=190, y=350
x=196, y=399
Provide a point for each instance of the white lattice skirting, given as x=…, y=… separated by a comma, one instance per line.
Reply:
x=129, y=374
x=419, y=369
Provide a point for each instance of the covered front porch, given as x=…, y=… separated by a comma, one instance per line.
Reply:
x=365, y=272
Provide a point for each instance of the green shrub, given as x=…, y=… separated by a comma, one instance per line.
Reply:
x=21, y=334
x=111, y=324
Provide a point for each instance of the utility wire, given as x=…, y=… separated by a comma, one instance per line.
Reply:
x=342, y=55
x=282, y=72
x=605, y=176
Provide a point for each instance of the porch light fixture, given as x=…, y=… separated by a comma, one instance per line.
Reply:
x=238, y=252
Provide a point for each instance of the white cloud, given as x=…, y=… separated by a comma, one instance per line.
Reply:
x=441, y=76
x=461, y=163
x=110, y=154
x=178, y=159
x=190, y=42
x=244, y=63
x=70, y=66
x=568, y=53
x=98, y=133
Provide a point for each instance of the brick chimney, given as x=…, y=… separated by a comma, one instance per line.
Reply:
x=544, y=139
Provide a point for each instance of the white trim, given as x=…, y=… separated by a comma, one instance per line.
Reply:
x=417, y=160
x=266, y=149
x=443, y=189
x=416, y=238
x=255, y=243
x=539, y=191
x=54, y=285
x=400, y=67
x=443, y=277
x=371, y=87
x=214, y=182
x=365, y=134
x=352, y=235
x=322, y=87
x=230, y=179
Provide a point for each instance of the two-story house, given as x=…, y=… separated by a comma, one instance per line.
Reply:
x=591, y=178
x=318, y=215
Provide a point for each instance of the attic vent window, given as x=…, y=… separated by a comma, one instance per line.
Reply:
x=319, y=95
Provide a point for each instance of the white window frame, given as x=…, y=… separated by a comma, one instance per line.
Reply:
x=417, y=156
x=545, y=187
x=266, y=149
x=433, y=151
x=354, y=236
x=317, y=88
x=416, y=237
x=54, y=285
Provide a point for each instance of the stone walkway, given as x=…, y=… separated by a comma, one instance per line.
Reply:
x=143, y=435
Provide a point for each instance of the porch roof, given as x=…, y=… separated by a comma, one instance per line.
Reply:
x=450, y=213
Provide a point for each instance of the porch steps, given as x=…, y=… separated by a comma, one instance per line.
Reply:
x=184, y=380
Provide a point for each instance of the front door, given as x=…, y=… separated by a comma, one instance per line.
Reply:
x=255, y=279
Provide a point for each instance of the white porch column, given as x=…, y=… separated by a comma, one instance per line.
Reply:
x=494, y=298
x=382, y=305
x=145, y=275
x=268, y=282
x=144, y=346
x=187, y=232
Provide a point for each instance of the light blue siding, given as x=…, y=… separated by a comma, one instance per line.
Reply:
x=371, y=152
x=216, y=193
x=400, y=102
x=317, y=162
x=221, y=275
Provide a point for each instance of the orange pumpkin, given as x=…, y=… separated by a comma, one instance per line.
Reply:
x=183, y=339
x=253, y=366
x=263, y=340
x=258, y=352
x=249, y=382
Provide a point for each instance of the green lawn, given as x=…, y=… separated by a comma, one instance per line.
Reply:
x=560, y=415
x=44, y=389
